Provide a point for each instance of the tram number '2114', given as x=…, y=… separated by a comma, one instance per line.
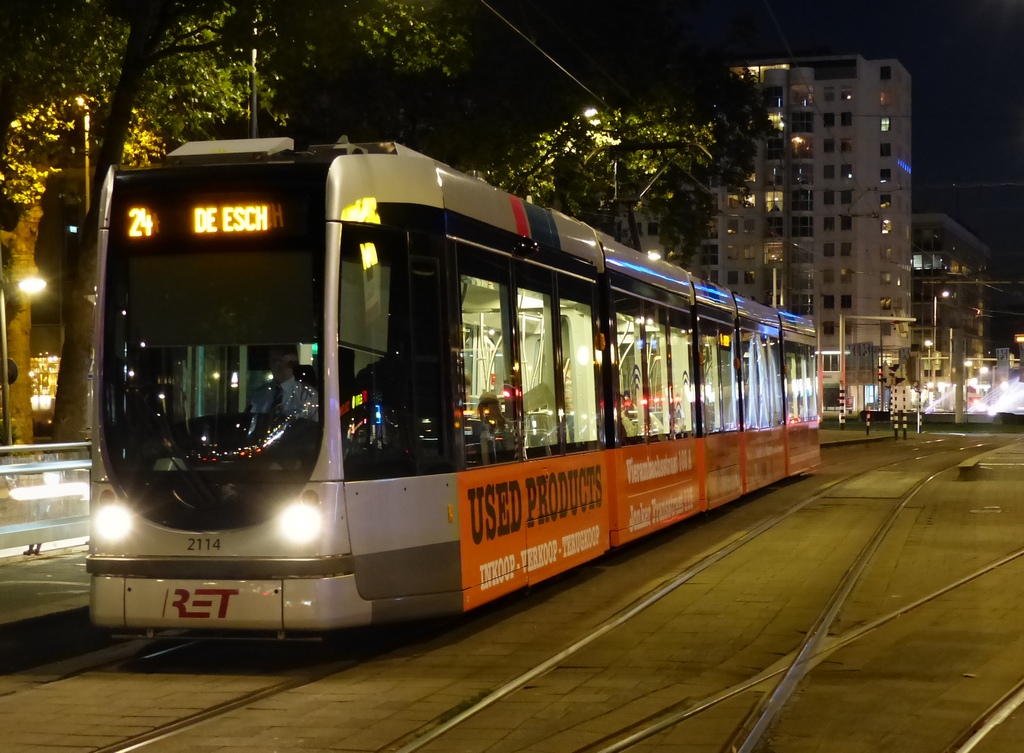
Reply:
x=203, y=545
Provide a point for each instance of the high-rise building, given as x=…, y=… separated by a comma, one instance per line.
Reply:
x=823, y=226
x=950, y=271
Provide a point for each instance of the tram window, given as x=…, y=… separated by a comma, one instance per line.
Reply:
x=578, y=373
x=801, y=382
x=659, y=400
x=490, y=416
x=629, y=318
x=761, y=383
x=374, y=359
x=681, y=343
x=719, y=376
x=537, y=370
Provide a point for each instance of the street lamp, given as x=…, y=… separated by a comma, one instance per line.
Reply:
x=27, y=285
x=935, y=327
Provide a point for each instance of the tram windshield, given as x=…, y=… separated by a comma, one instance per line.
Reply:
x=211, y=378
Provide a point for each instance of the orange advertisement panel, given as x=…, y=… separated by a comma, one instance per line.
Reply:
x=655, y=485
x=724, y=474
x=523, y=522
x=764, y=452
x=803, y=447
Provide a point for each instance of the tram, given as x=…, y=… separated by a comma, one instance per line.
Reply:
x=351, y=385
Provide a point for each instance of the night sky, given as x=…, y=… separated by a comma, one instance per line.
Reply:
x=966, y=61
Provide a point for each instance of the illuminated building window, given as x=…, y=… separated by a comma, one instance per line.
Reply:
x=884, y=200
x=773, y=252
x=885, y=99
x=803, y=147
x=886, y=123
x=773, y=201
x=886, y=227
x=777, y=121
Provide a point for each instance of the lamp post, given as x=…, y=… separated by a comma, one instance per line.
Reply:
x=80, y=101
x=28, y=285
x=935, y=328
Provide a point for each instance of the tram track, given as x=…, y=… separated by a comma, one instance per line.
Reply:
x=437, y=729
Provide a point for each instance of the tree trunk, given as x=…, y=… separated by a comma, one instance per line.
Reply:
x=71, y=411
x=19, y=247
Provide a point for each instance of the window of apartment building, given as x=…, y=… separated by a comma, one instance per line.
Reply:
x=846, y=118
x=886, y=226
x=773, y=201
x=885, y=278
x=829, y=146
x=846, y=197
x=803, y=174
x=732, y=277
x=885, y=253
x=713, y=227
x=886, y=123
x=773, y=252
x=709, y=254
x=846, y=301
x=845, y=276
x=713, y=276
x=828, y=276
x=885, y=149
x=828, y=328
x=885, y=72
x=803, y=200
x=828, y=119
x=802, y=122
x=828, y=224
x=732, y=226
x=829, y=249
x=848, y=327
x=884, y=200
x=828, y=94
x=885, y=98
x=773, y=148
x=801, y=95
x=773, y=227
x=775, y=175
x=803, y=147
x=773, y=97
x=749, y=277
x=730, y=252
x=846, y=93
x=846, y=249
x=749, y=225
x=778, y=123
x=748, y=252
x=884, y=175
x=846, y=171
x=828, y=301
x=653, y=229
x=885, y=303
x=829, y=172
x=801, y=227
x=828, y=197
x=846, y=145
x=845, y=222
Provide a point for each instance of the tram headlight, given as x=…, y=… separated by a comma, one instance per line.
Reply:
x=300, y=522
x=113, y=522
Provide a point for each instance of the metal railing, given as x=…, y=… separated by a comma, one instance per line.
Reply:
x=44, y=493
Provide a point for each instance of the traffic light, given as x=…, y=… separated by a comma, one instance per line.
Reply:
x=894, y=378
